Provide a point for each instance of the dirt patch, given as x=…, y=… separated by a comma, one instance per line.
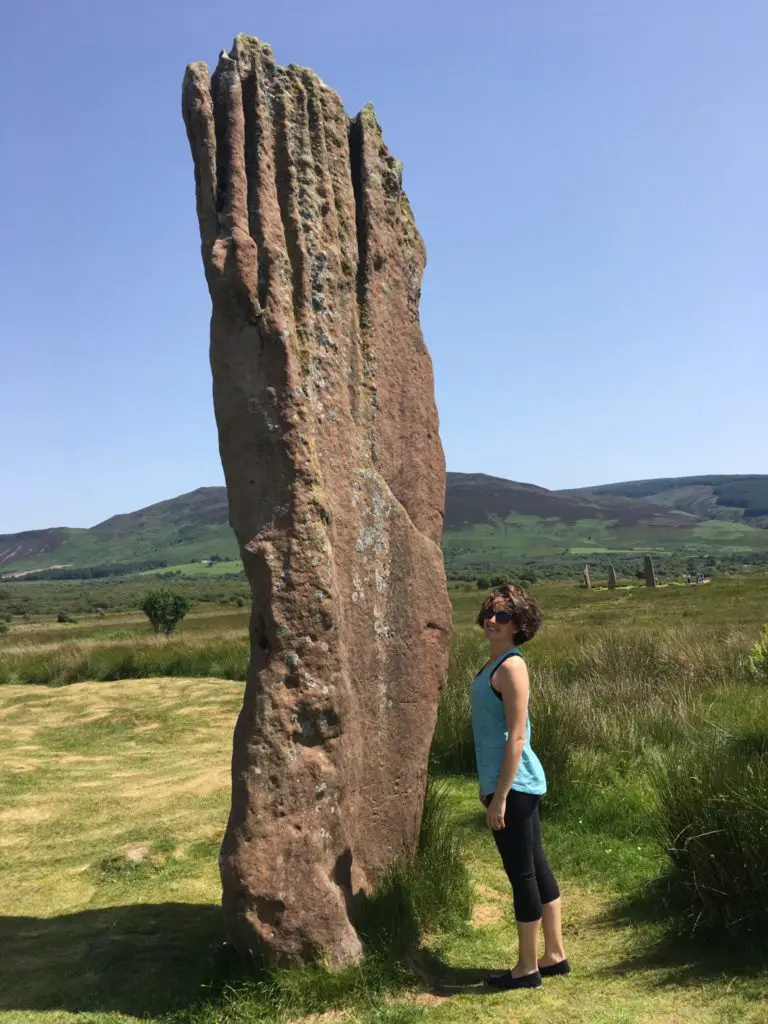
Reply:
x=486, y=914
x=135, y=853
x=420, y=999
x=325, y=1018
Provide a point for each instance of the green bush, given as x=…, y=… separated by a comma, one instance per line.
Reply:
x=713, y=821
x=164, y=609
x=4, y=627
x=65, y=617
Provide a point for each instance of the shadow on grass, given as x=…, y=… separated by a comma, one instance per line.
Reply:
x=443, y=980
x=139, y=960
x=684, y=953
x=153, y=960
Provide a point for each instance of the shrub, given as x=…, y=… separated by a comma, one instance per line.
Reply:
x=4, y=627
x=65, y=617
x=164, y=609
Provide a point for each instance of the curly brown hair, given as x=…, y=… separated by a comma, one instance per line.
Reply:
x=522, y=606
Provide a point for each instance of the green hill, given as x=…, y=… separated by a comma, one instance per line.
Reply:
x=489, y=522
x=734, y=498
x=183, y=529
x=494, y=522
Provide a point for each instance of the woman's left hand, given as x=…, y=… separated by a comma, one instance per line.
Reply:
x=494, y=814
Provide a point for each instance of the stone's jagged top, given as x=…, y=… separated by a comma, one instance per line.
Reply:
x=243, y=40
x=324, y=400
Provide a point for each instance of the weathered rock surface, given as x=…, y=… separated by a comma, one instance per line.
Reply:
x=328, y=432
x=587, y=580
x=611, y=578
x=649, y=572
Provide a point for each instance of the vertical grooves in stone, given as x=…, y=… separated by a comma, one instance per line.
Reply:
x=285, y=185
x=356, y=162
x=221, y=124
x=254, y=134
x=196, y=106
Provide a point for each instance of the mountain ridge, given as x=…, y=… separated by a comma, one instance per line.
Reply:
x=718, y=512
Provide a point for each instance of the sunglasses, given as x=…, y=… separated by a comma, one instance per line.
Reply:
x=501, y=617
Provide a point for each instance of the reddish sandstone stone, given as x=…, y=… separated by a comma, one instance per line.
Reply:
x=328, y=432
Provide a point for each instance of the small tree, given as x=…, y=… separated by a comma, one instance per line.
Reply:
x=483, y=584
x=164, y=609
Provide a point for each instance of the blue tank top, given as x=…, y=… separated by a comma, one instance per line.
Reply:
x=489, y=728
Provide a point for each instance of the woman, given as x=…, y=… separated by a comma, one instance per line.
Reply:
x=512, y=782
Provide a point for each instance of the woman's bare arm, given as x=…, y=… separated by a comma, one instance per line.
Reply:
x=511, y=681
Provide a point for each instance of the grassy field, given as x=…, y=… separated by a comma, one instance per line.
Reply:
x=114, y=795
x=520, y=536
x=227, y=568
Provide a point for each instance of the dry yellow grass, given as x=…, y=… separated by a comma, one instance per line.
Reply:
x=113, y=800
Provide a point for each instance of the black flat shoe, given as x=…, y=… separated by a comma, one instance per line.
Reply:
x=551, y=969
x=503, y=980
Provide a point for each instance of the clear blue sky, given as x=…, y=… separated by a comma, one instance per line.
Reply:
x=590, y=178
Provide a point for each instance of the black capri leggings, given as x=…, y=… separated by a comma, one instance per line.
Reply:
x=519, y=844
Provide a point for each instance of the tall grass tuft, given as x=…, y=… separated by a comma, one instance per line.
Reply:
x=430, y=891
x=453, y=749
x=77, y=662
x=713, y=816
x=758, y=657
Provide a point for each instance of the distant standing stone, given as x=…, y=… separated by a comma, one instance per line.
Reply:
x=649, y=572
x=587, y=580
x=611, y=578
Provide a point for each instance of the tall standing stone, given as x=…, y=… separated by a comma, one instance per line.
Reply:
x=587, y=580
x=649, y=572
x=611, y=577
x=328, y=433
